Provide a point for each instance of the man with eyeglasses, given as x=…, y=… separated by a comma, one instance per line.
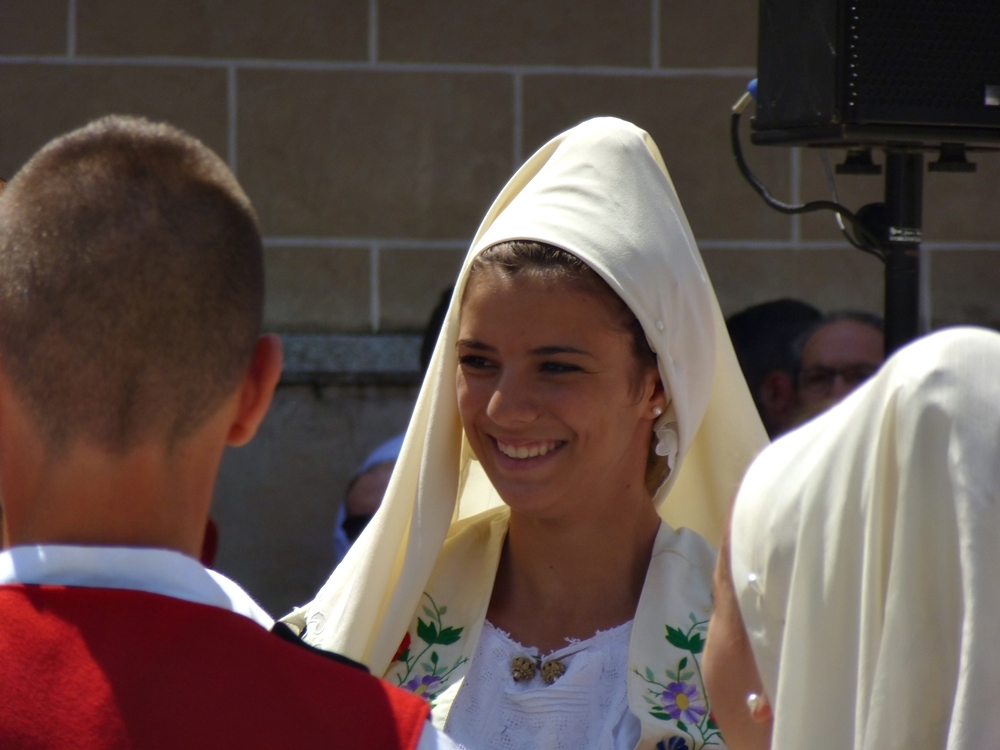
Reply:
x=764, y=337
x=835, y=357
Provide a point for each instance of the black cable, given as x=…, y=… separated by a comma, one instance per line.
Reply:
x=831, y=181
x=866, y=241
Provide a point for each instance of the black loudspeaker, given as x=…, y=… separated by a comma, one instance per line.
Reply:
x=875, y=72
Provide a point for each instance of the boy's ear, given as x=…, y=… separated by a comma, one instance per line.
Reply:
x=256, y=390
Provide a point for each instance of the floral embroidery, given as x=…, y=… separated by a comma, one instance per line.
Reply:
x=425, y=673
x=682, y=702
x=404, y=647
x=680, y=699
x=421, y=685
x=674, y=743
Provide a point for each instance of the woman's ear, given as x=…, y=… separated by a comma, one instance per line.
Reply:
x=760, y=708
x=656, y=396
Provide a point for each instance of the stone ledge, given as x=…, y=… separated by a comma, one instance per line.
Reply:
x=321, y=359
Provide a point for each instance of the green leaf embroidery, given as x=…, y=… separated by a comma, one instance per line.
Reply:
x=685, y=676
x=427, y=632
x=405, y=656
x=671, y=675
x=449, y=636
x=696, y=644
x=649, y=673
x=429, y=612
x=684, y=663
x=442, y=611
x=427, y=667
x=682, y=726
x=660, y=715
x=676, y=638
x=434, y=657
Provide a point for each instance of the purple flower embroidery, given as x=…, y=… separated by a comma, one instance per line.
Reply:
x=682, y=701
x=421, y=685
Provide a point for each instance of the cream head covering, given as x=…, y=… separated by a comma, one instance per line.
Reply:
x=601, y=192
x=866, y=559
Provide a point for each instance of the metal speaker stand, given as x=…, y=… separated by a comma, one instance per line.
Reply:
x=904, y=192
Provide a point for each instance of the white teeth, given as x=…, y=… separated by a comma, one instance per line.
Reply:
x=524, y=451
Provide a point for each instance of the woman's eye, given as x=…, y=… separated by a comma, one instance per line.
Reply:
x=554, y=368
x=474, y=362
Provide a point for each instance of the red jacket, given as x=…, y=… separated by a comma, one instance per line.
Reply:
x=109, y=668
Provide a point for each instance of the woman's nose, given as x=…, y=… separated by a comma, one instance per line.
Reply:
x=512, y=402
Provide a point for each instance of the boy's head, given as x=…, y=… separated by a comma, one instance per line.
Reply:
x=131, y=285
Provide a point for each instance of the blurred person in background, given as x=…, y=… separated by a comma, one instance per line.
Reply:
x=764, y=338
x=835, y=356
x=367, y=487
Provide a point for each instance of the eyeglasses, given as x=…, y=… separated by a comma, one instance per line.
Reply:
x=820, y=378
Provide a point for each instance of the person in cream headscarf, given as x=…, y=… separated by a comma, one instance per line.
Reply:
x=517, y=574
x=864, y=555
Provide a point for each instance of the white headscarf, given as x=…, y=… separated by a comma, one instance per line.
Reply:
x=866, y=559
x=601, y=192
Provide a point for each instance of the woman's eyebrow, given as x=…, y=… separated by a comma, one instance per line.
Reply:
x=476, y=345
x=547, y=350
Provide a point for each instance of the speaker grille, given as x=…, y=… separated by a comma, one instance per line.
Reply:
x=921, y=61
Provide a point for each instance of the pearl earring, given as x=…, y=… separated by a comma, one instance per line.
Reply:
x=755, y=702
x=657, y=411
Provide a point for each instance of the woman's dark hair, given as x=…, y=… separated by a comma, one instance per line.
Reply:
x=433, y=328
x=539, y=260
x=543, y=261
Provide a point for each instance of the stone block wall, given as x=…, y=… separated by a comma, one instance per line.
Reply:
x=372, y=135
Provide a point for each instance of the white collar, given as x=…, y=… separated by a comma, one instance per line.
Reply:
x=157, y=571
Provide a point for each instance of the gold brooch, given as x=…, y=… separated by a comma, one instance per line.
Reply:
x=523, y=669
x=552, y=671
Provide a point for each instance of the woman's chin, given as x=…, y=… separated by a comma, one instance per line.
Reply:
x=528, y=497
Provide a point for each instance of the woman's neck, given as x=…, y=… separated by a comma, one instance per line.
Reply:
x=569, y=578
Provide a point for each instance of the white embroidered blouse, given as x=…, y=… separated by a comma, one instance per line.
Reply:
x=585, y=709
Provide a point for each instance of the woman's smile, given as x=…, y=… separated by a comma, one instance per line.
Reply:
x=527, y=450
x=525, y=455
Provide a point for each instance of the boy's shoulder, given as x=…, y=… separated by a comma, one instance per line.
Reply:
x=141, y=657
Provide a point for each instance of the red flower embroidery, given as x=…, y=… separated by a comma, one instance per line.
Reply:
x=403, y=647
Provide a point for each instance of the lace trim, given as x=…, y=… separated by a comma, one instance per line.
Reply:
x=586, y=708
x=573, y=645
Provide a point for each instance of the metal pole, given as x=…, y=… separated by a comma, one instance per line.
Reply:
x=904, y=193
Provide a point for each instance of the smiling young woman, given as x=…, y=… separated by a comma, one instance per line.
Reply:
x=524, y=573
x=558, y=391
